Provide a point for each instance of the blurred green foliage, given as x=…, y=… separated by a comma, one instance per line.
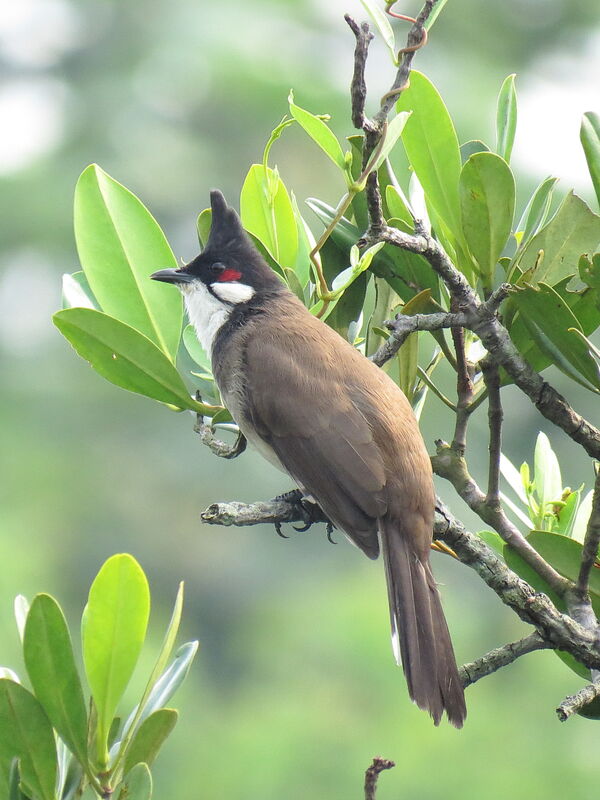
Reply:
x=294, y=689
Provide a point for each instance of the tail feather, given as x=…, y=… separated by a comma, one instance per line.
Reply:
x=419, y=631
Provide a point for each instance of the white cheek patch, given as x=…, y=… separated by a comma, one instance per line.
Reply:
x=205, y=312
x=233, y=292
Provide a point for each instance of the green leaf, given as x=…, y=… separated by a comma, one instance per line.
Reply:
x=120, y=244
x=76, y=292
x=548, y=319
x=437, y=10
x=320, y=133
x=150, y=737
x=432, y=148
x=506, y=118
x=382, y=24
x=564, y=555
x=471, y=147
x=567, y=514
x=203, y=225
x=166, y=686
x=267, y=212
x=137, y=784
x=573, y=230
x=392, y=134
x=582, y=517
x=547, y=477
x=513, y=477
x=21, y=609
x=487, y=200
x=124, y=356
x=590, y=141
x=195, y=349
x=536, y=212
x=50, y=663
x=113, y=632
x=161, y=662
x=26, y=733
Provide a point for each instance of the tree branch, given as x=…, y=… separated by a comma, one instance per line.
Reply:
x=575, y=702
x=372, y=774
x=403, y=325
x=500, y=657
x=591, y=542
x=448, y=464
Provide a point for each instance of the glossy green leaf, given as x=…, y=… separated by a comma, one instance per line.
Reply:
x=573, y=230
x=506, y=118
x=471, y=147
x=168, y=683
x=120, y=244
x=113, y=632
x=432, y=147
x=124, y=356
x=203, y=225
x=513, y=477
x=582, y=517
x=195, y=349
x=26, y=733
x=590, y=141
x=567, y=514
x=548, y=319
x=536, y=211
x=76, y=292
x=161, y=662
x=487, y=200
x=21, y=609
x=150, y=737
x=266, y=211
x=306, y=242
x=50, y=663
x=137, y=784
x=319, y=132
x=565, y=556
x=383, y=25
x=392, y=134
x=547, y=477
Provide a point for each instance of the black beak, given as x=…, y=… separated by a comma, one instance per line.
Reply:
x=172, y=276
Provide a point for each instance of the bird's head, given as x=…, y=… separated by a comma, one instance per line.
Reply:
x=230, y=268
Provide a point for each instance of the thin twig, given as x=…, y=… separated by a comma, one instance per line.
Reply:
x=495, y=415
x=500, y=657
x=464, y=387
x=372, y=774
x=589, y=555
x=358, y=87
x=575, y=702
x=403, y=325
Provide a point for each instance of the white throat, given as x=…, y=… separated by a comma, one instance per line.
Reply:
x=206, y=312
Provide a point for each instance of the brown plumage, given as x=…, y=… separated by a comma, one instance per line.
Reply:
x=347, y=435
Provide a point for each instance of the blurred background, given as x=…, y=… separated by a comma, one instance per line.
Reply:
x=294, y=689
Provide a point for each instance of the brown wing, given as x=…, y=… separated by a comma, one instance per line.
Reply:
x=316, y=428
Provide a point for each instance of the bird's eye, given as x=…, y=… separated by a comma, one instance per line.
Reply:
x=217, y=268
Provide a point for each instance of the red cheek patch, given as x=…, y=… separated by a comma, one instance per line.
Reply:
x=229, y=275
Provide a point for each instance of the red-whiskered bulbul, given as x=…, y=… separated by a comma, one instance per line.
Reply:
x=315, y=407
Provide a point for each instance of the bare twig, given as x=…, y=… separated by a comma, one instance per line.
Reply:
x=591, y=542
x=358, y=88
x=372, y=774
x=216, y=446
x=495, y=415
x=500, y=657
x=403, y=325
x=575, y=702
x=464, y=388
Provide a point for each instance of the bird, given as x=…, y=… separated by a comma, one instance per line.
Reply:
x=315, y=407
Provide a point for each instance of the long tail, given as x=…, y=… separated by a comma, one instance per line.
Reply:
x=420, y=634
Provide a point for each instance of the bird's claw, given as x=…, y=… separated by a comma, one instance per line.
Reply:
x=279, y=531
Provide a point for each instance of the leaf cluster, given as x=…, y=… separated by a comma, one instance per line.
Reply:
x=55, y=744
